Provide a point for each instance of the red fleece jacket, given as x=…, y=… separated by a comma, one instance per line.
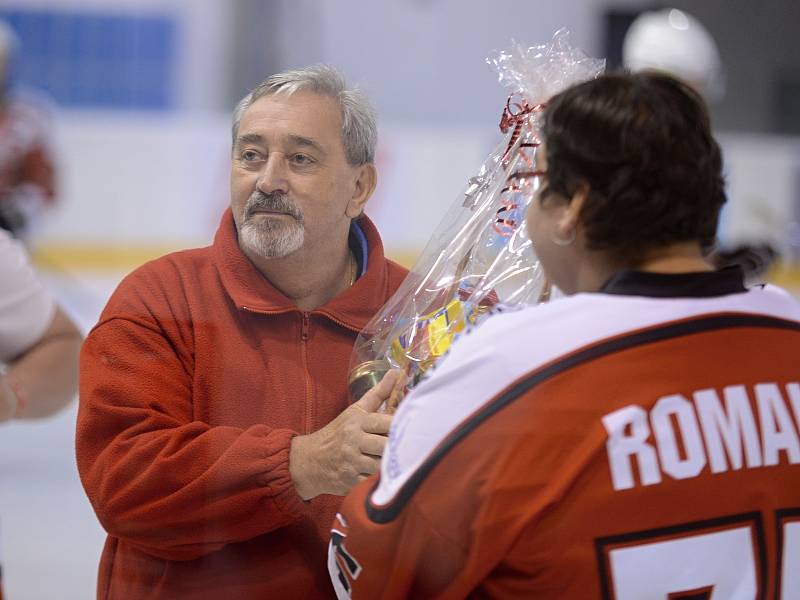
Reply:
x=193, y=383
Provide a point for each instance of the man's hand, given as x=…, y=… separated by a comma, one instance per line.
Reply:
x=347, y=450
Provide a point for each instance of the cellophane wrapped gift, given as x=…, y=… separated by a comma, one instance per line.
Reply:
x=480, y=257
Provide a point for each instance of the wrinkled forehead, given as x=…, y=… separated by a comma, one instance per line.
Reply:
x=316, y=104
x=302, y=114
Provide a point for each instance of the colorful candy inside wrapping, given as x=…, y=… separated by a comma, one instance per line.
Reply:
x=433, y=334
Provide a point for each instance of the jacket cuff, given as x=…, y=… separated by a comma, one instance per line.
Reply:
x=278, y=479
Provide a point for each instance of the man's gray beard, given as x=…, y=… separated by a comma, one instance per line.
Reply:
x=267, y=241
x=272, y=237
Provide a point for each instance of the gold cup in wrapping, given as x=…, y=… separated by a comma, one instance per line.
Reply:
x=366, y=376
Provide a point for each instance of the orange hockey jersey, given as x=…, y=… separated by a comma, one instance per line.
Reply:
x=636, y=443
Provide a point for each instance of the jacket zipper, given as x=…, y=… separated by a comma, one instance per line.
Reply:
x=309, y=400
x=305, y=324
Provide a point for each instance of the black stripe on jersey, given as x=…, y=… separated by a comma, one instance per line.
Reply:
x=754, y=519
x=387, y=513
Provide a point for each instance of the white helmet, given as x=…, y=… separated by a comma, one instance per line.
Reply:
x=675, y=42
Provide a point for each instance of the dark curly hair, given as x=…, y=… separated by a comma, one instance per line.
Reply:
x=643, y=145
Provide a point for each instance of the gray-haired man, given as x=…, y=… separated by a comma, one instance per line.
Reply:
x=215, y=436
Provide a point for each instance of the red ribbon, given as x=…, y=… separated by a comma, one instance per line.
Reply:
x=516, y=118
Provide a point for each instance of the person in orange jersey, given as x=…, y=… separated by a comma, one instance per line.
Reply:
x=636, y=439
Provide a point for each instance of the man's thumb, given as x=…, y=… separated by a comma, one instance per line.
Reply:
x=372, y=400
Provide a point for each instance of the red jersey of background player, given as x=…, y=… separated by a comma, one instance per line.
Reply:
x=27, y=174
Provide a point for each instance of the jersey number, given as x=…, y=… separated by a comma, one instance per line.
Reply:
x=713, y=560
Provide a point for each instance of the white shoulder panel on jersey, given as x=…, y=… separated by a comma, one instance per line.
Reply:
x=484, y=361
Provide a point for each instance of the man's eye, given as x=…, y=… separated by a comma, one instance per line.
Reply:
x=302, y=159
x=250, y=155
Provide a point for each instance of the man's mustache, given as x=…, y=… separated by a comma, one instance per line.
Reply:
x=273, y=202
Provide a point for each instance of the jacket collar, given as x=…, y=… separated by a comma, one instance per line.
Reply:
x=676, y=285
x=250, y=290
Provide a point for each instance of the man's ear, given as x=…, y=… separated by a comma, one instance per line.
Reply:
x=365, y=182
x=570, y=218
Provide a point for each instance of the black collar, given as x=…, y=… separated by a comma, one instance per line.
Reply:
x=729, y=280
